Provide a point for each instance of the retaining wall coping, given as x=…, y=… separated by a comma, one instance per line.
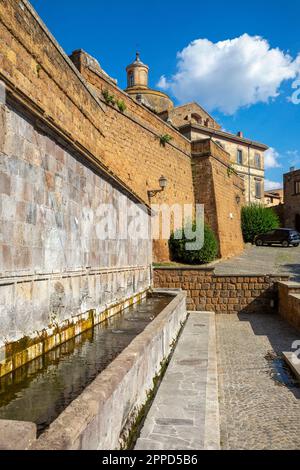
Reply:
x=212, y=270
x=295, y=296
x=182, y=268
x=274, y=276
x=290, y=284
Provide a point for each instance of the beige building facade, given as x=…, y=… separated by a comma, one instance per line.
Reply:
x=274, y=198
x=246, y=156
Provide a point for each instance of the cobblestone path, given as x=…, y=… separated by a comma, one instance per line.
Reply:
x=263, y=260
x=259, y=403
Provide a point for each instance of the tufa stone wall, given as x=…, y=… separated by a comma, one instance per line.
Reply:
x=222, y=294
x=221, y=192
x=126, y=145
x=292, y=199
x=192, y=113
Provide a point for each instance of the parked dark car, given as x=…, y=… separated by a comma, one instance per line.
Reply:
x=281, y=236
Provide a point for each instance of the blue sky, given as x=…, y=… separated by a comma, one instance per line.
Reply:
x=231, y=79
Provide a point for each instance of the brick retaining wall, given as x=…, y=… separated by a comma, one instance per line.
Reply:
x=222, y=293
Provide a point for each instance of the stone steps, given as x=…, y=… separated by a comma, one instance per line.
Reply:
x=293, y=361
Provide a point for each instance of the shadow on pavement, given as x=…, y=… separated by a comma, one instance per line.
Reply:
x=281, y=336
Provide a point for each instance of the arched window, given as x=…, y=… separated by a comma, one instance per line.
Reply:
x=197, y=118
x=130, y=79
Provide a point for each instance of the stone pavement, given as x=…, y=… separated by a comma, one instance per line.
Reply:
x=185, y=413
x=258, y=408
x=263, y=260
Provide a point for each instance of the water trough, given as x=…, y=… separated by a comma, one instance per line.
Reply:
x=88, y=393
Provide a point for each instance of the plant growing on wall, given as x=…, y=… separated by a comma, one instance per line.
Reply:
x=206, y=254
x=165, y=139
x=257, y=219
x=109, y=99
x=38, y=70
x=231, y=171
x=121, y=105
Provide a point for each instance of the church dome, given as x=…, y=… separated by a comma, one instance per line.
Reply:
x=137, y=87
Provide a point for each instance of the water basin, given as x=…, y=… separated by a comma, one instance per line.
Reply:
x=42, y=389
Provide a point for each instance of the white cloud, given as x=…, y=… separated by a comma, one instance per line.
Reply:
x=294, y=157
x=230, y=74
x=269, y=185
x=271, y=158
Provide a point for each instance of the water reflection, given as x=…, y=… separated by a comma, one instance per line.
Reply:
x=43, y=388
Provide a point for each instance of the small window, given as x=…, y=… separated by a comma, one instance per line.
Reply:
x=258, y=189
x=257, y=160
x=297, y=187
x=239, y=157
x=130, y=79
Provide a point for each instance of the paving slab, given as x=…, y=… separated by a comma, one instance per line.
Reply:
x=185, y=411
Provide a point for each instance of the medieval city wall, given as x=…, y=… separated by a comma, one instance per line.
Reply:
x=291, y=207
x=221, y=192
x=126, y=145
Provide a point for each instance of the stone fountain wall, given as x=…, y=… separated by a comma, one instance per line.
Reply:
x=63, y=267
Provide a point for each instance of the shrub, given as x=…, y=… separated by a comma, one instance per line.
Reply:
x=231, y=171
x=206, y=254
x=121, y=105
x=257, y=219
x=165, y=139
x=110, y=99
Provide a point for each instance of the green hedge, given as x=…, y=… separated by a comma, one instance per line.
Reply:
x=206, y=254
x=258, y=219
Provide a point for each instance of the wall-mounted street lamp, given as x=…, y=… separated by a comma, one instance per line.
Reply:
x=238, y=198
x=162, y=184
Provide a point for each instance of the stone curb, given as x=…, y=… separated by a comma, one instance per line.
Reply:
x=212, y=414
